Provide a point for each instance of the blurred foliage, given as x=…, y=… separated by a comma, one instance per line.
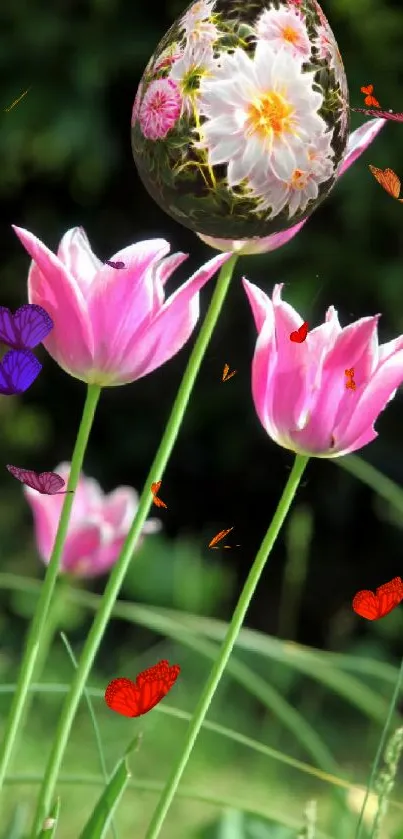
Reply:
x=66, y=161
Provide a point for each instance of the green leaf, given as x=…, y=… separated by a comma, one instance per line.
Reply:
x=101, y=816
x=50, y=824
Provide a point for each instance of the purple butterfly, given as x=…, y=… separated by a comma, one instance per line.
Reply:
x=26, y=329
x=377, y=113
x=47, y=483
x=115, y=264
x=18, y=370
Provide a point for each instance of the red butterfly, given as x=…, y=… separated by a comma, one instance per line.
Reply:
x=370, y=100
x=132, y=699
x=300, y=334
x=388, y=179
x=374, y=606
x=47, y=483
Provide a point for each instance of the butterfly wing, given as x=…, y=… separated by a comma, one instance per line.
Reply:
x=26, y=476
x=225, y=371
x=388, y=179
x=303, y=330
x=154, y=683
x=381, y=114
x=155, y=487
x=368, y=89
x=158, y=502
x=50, y=483
x=33, y=324
x=18, y=371
x=122, y=696
x=365, y=604
x=389, y=596
x=117, y=264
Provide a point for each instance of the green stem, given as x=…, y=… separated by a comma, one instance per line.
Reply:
x=118, y=574
x=227, y=645
x=47, y=638
x=38, y=624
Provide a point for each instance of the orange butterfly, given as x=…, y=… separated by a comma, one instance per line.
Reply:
x=388, y=179
x=154, y=489
x=374, y=606
x=219, y=536
x=225, y=377
x=350, y=384
x=370, y=100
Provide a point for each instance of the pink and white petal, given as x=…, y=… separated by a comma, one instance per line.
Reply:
x=121, y=301
x=256, y=245
x=388, y=349
x=263, y=370
x=51, y=286
x=368, y=436
x=105, y=557
x=172, y=327
x=80, y=550
x=354, y=347
x=373, y=399
x=161, y=273
x=46, y=511
x=119, y=508
x=76, y=254
x=260, y=303
x=359, y=141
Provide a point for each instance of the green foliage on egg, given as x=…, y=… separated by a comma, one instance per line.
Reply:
x=241, y=118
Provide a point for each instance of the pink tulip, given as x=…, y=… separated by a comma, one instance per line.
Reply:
x=358, y=142
x=98, y=526
x=299, y=389
x=113, y=326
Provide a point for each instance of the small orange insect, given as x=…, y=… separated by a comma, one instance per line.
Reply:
x=154, y=489
x=388, y=179
x=369, y=99
x=225, y=377
x=219, y=536
x=350, y=384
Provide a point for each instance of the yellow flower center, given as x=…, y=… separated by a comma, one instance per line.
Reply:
x=289, y=34
x=270, y=115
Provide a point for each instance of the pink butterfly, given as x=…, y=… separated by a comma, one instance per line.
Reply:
x=47, y=483
x=371, y=112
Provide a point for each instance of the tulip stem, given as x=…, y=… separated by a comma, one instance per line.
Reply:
x=117, y=576
x=227, y=646
x=37, y=630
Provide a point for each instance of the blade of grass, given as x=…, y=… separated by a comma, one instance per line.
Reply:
x=93, y=720
x=292, y=654
x=314, y=664
x=282, y=817
x=381, y=747
x=372, y=477
x=101, y=816
x=49, y=826
x=223, y=731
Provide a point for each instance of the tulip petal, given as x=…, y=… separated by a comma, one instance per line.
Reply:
x=78, y=258
x=79, y=549
x=120, y=302
x=51, y=286
x=159, y=341
x=359, y=141
x=373, y=399
x=260, y=303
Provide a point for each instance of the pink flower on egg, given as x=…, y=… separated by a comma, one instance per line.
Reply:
x=160, y=109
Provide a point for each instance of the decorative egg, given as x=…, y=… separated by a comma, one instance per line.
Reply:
x=241, y=118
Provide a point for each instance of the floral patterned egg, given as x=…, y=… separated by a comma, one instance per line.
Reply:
x=241, y=118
